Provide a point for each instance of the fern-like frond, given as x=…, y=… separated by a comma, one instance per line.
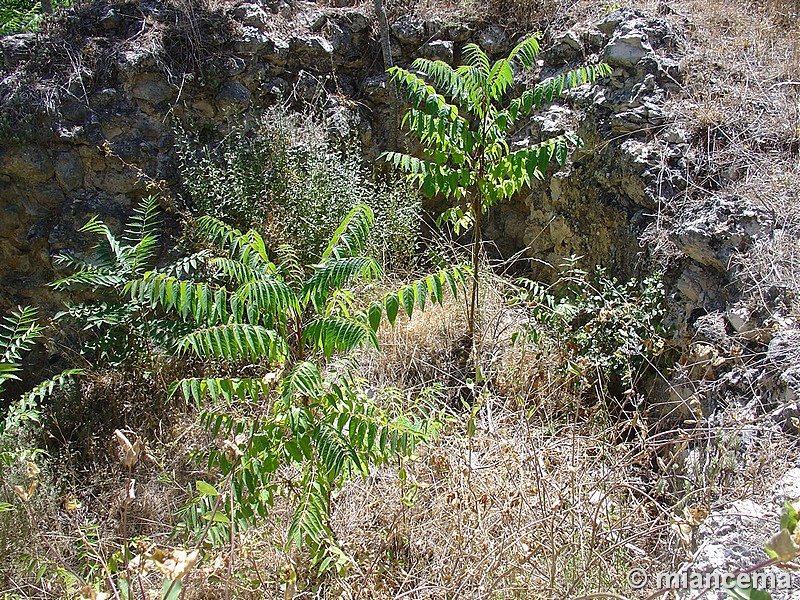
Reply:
x=524, y=54
x=226, y=390
x=444, y=77
x=235, y=341
x=18, y=332
x=338, y=455
x=248, y=247
x=303, y=381
x=200, y=301
x=48, y=386
x=268, y=300
x=335, y=273
x=350, y=238
x=109, y=253
x=309, y=524
x=415, y=294
x=477, y=58
x=500, y=79
x=419, y=94
x=235, y=270
x=91, y=278
x=552, y=87
x=188, y=265
x=141, y=234
x=336, y=334
x=290, y=268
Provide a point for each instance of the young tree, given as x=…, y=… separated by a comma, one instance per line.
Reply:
x=464, y=120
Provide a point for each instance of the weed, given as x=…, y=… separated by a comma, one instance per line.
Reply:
x=277, y=172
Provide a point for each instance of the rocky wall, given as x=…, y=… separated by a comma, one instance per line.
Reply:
x=90, y=105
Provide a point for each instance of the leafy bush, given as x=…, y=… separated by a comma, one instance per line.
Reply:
x=464, y=121
x=280, y=173
x=608, y=332
x=287, y=330
x=17, y=16
x=113, y=330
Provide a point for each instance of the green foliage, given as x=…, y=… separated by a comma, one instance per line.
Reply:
x=609, y=332
x=286, y=329
x=18, y=16
x=279, y=173
x=19, y=331
x=311, y=413
x=117, y=331
x=463, y=119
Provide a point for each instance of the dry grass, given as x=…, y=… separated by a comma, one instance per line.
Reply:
x=550, y=497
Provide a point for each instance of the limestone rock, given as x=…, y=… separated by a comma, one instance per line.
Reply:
x=375, y=89
x=152, y=89
x=312, y=50
x=251, y=14
x=627, y=50
x=493, y=40
x=233, y=95
x=711, y=232
x=438, y=50
x=69, y=171
x=17, y=48
x=28, y=164
x=408, y=30
x=732, y=538
x=356, y=21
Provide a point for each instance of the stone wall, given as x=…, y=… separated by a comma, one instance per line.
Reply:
x=90, y=107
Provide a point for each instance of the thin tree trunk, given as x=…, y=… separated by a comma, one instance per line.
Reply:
x=476, y=262
x=47, y=7
x=386, y=41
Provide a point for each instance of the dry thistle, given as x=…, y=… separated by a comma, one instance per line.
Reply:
x=129, y=451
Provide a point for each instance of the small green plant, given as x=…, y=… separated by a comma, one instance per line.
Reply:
x=302, y=408
x=117, y=331
x=19, y=452
x=609, y=332
x=17, y=16
x=464, y=120
x=19, y=331
x=286, y=329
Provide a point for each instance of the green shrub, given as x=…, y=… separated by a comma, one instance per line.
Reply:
x=286, y=330
x=279, y=173
x=464, y=119
x=17, y=16
x=607, y=332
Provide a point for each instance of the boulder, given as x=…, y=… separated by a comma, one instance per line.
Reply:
x=312, y=50
x=712, y=231
x=408, y=30
x=627, y=50
x=493, y=40
x=27, y=164
x=17, y=48
x=233, y=95
x=69, y=171
x=438, y=50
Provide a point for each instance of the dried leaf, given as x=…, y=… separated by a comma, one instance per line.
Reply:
x=782, y=546
x=71, y=503
x=131, y=451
